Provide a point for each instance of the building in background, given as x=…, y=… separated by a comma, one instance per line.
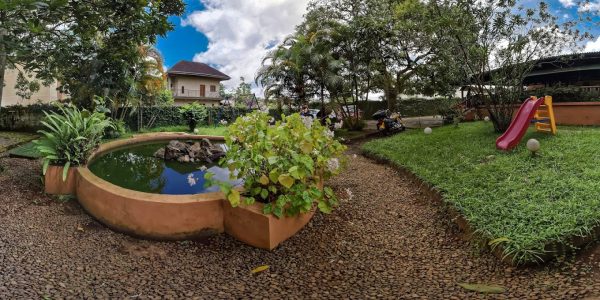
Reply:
x=195, y=82
x=45, y=94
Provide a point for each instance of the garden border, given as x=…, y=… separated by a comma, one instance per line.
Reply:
x=554, y=249
x=177, y=217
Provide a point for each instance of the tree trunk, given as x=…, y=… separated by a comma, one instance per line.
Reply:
x=2, y=64
x=392, y=98
x=500, y=120
x=322, y=99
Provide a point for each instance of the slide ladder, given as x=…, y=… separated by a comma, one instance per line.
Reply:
x=536, y=110
x=544, y=117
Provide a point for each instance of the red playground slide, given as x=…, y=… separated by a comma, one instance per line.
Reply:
x=519, y=125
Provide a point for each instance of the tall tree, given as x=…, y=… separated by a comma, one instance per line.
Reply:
x=406, y=43
x=285, y=70
x=91, y=47
x=496, y=43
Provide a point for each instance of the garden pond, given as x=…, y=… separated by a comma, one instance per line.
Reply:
x=136, y=168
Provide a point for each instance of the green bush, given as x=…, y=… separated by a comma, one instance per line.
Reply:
x=563, y=93
x=353, y=124
x=193, y=114
x=70, y=136
x=117, y=130
x=282, y=165
x=410, y=107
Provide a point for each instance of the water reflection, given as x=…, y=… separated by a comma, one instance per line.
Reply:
x=137, y=169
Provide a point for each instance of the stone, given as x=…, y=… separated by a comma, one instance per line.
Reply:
x=160, y=153
x=199, y=151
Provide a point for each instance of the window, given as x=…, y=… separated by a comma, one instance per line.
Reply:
x=182, y=89
x=213, y=88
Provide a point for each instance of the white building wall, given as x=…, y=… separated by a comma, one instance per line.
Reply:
x=191, y=85
x=46, y=94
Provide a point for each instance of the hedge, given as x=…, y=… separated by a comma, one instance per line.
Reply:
x=566, y=93
x=411, y=107
x=27, y=118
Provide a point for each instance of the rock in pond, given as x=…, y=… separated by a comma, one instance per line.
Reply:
x=202, y=150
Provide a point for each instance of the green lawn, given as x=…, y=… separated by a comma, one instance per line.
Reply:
x=528, y=201
x=347, y=134
x=28, y=150
x=205, y=130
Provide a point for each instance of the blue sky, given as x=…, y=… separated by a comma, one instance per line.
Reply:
x=234, y=35
x=184, y=41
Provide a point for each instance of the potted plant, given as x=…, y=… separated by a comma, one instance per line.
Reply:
x=283, y=167
x=193, y=114
x=68, y=139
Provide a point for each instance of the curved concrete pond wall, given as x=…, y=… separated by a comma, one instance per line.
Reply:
x=176, y=217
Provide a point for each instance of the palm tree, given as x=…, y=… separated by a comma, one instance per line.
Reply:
x=324, y=68
x=286, y=70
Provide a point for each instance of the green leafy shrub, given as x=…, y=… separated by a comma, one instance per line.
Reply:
x=117, y=130
x=194, y=114
x=354, y=124
x=283, y=165
x=70, y=136
x=563, y=93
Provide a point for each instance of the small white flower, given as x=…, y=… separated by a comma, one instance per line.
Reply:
x=328, y=133
x=202, y=168
x=333, y=164
x=196, y=131
x=338, y=125
x=308, y=121
x=223, y=122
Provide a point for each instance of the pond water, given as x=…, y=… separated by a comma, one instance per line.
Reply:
x=136, y=168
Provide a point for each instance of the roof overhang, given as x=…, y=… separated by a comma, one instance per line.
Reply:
x=197, y=75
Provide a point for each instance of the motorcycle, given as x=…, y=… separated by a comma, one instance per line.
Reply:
x=388, y=123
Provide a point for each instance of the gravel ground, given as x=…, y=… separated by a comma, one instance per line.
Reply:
x=383, y=242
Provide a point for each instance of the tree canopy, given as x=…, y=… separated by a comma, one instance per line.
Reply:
x=91, y=47
x=346, y=49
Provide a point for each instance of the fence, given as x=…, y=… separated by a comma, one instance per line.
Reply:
x=28, y=118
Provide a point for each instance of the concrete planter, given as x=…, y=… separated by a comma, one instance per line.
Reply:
x=249, y=225
x=177, y=217
x=54, y=184
x=153, y=216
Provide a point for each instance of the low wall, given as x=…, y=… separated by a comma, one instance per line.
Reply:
x=577, y=113
x=566, y=113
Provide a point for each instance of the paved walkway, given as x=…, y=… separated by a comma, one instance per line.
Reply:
x=385, y=241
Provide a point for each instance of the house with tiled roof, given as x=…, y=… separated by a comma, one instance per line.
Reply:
x=195, y=82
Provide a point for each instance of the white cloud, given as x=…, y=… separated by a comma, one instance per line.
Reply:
x=241, y=31
x=567, y=3
x=592, y=6
x=592, y=46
